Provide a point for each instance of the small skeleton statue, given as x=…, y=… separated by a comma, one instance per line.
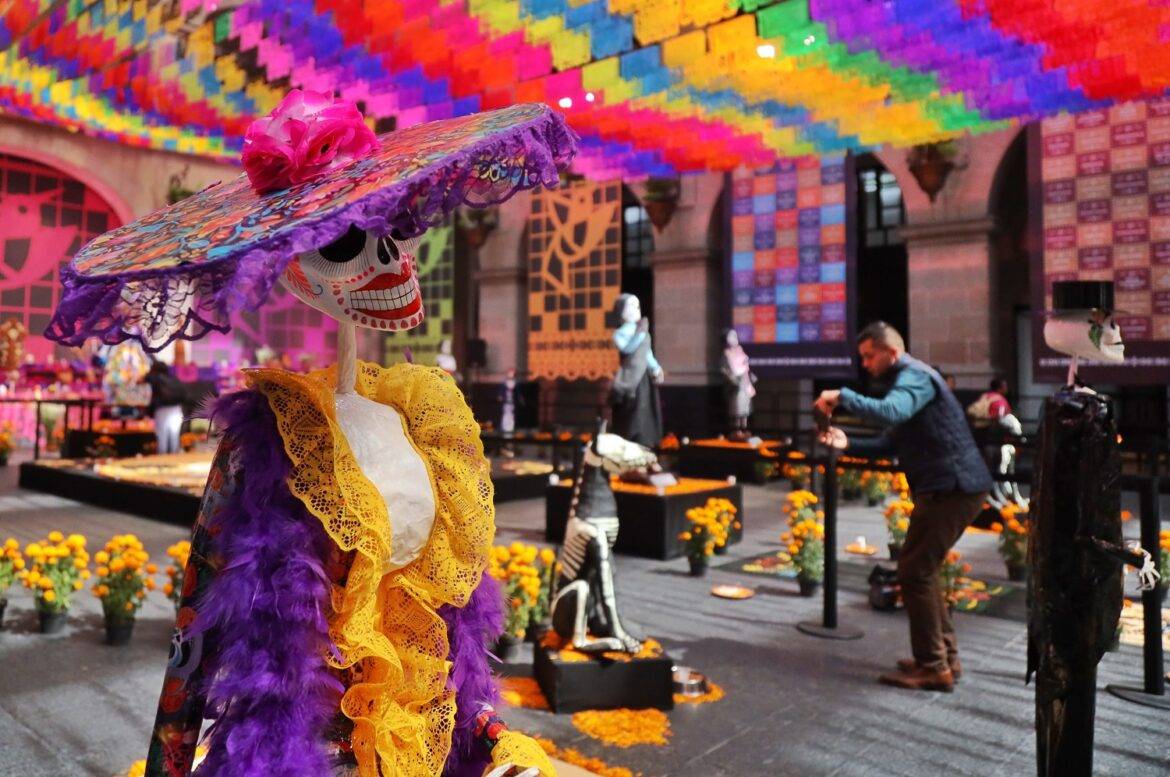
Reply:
x=1075, y=552
x=738, y=384
x=584, y=609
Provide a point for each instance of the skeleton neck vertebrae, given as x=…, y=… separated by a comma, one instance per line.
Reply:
x=377, y=437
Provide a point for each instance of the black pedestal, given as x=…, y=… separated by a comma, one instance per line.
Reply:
x=650, y=524
x=746, y=464
x=603, y=684
x=78, y=443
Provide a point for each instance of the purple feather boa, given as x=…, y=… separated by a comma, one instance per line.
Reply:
x=271, y=692
x=471, y=629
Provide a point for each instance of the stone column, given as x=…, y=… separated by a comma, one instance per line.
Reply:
x=950, y=297
x=952, y=294
x=688, y=289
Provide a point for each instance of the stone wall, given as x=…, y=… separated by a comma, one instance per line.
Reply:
x=133, y=180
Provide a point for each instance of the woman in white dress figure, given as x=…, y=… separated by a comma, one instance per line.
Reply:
x=738, y=383
x=637, y=413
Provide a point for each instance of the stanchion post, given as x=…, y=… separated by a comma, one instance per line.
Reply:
x=1153, y=690
x=1155, y=680
x=828, y=628
x=830, y=504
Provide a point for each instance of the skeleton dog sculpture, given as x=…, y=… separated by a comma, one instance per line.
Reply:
x=584, y=609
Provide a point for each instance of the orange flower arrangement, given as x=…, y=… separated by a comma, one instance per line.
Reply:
x=1013, y=534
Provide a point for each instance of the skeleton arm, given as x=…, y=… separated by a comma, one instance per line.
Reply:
x=1141, y=561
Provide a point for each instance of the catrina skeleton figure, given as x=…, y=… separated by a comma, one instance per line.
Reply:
x=335, y=617
x=1075, y=553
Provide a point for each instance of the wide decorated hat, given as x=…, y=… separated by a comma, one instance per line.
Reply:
x=313, y=172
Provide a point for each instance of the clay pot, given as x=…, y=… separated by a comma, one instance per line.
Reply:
x=118, y=632
x=698, y=565
x=808, y=587
x=52, y=622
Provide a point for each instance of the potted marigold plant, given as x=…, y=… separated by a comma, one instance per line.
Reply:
x=11, y=564
x=7, y=442
x=176, y=572
x=849, y=480
x=875, y=486
x=514, y=567
x=57, y=567
x=900, y=486
x=538, y=620
x=123, y=579
x=725, y=512
x=805, y=539
x=795, y=473
x=701, y=537
x=1013, y=540
x=897, y=523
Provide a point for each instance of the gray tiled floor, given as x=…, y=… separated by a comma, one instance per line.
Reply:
x=795, y=705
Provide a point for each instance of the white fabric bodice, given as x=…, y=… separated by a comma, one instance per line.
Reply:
x=377, y=437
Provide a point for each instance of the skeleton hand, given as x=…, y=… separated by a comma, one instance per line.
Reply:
x=508, y=770
x=1148, y=574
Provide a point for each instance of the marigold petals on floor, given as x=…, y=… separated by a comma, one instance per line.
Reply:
x=577, y=758
x=624, y=727
x=522, y=692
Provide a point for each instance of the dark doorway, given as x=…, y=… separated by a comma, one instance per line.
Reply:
x=881, y=253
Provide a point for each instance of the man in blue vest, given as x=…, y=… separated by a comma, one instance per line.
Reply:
x=926, y=428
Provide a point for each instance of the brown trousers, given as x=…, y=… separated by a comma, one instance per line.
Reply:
x=936, y=525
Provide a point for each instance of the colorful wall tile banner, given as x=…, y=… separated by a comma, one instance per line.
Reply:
x=436, y=275
x=574, y=278
x=791, y=275
x=1101, y=187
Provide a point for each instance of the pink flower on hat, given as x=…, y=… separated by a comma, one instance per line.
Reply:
x=307, y=135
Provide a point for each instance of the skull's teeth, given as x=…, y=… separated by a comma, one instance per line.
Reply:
x=386, y=299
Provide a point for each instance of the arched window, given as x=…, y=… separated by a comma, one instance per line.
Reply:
x=46, y=215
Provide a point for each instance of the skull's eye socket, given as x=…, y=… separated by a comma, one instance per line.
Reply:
x=346, y=247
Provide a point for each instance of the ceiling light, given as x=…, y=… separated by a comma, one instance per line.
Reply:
x=589, y=97
x=810, y=40
x=766, y=50
x=565, y=102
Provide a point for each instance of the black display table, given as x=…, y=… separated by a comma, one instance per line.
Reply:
x=79, y=443
x=172, y=505
x=600, y=683
x=516, y=483
x=650, y=524
x=718, y=461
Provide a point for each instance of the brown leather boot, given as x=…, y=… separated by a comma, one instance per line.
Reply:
x=920, y=679
x=906, y=664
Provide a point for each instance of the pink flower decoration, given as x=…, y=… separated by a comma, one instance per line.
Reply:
x=307, y=135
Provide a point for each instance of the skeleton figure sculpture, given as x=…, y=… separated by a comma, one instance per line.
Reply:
x=335, y=618
x=584, y=610
x=1074, y=548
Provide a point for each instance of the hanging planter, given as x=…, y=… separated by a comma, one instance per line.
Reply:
x=476, y=224
x=661, y=200
x=931, y=164
x=176, y=187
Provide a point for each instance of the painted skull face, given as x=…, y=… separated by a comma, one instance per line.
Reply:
x=360, y=278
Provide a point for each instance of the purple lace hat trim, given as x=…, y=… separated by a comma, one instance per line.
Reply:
x=187, y=300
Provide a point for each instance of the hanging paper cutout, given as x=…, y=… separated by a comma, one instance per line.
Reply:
x=574, y=279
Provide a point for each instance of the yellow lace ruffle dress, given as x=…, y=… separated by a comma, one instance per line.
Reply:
x=385, y=624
